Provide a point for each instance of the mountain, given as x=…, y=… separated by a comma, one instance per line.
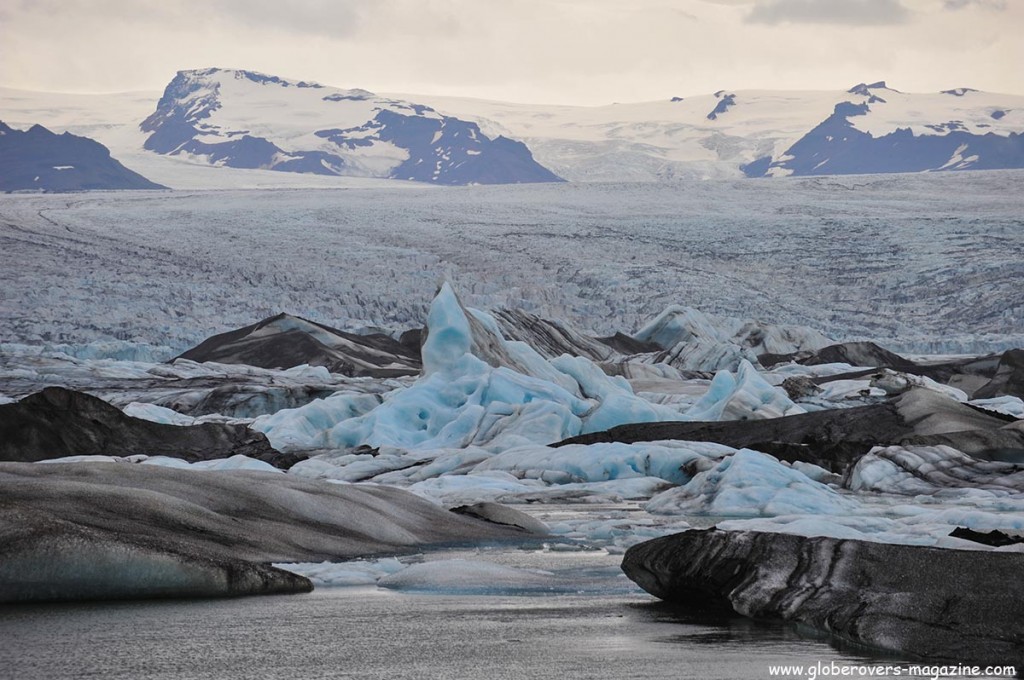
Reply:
x=233, y=129
x=866, y=129
x=244, y=119
x=39, y=160
x=883, y=130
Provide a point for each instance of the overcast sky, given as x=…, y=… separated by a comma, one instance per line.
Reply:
x=549, y=51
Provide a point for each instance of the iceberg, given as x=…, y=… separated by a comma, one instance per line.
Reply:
x=751, y=484
x=344, y=574
x=473, y=577
x=744, y=395
x=679, y=324
x=45, y=559
x=913, y=470
x=477, y=389
x=668, y=461
x=927, y=602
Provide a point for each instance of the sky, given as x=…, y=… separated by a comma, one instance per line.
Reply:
x=584, y=52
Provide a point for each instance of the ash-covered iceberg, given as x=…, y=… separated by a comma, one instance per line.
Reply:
x=286, y=341
x=106, y=530
x=934, y=603
x=926, y=470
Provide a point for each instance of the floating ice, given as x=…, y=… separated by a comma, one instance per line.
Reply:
x=467, y=489
x=312, y=426
x=840, y=390
x=706, y=354
x=617, y=404
x=924, y=527
x=344, y=574
x=745, y=395
x=684, y=325
x=751, y=484
x=1011, y=406
x=477, y=390
x=158, y=414
x=780, y=372
x=618, y=532
x=87, y=459
x=451, y=490
x=911, y=470
x=65, y=561
x=894, y=382
x=472, y=577
x=606, y=472
x=576, y=463
x=236, y=462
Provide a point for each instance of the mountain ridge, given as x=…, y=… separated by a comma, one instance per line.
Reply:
x=40, y=160
x=212, y=114
x=229, y=126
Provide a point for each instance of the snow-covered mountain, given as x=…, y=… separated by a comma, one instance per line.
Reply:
x=232, y=129
x=866, y=129
x=244, y=119
x=883, y=130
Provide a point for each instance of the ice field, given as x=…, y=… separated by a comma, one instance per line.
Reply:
x=928, y=263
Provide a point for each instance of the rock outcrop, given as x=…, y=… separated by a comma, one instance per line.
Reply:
x=39, y=160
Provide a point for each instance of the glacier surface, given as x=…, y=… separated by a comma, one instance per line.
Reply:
x=883, y=258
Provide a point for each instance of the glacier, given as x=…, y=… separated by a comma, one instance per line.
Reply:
x=524, y=247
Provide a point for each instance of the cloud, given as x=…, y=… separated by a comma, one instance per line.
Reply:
x=846, y=12
x=997, y=5
x=554, y=51
x=316, y=17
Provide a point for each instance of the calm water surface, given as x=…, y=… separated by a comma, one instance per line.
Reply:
x=369, y=633
x=604, y=627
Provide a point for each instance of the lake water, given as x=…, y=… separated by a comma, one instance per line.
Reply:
x=370, y=633
x=608, y=629
x=599, y=626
